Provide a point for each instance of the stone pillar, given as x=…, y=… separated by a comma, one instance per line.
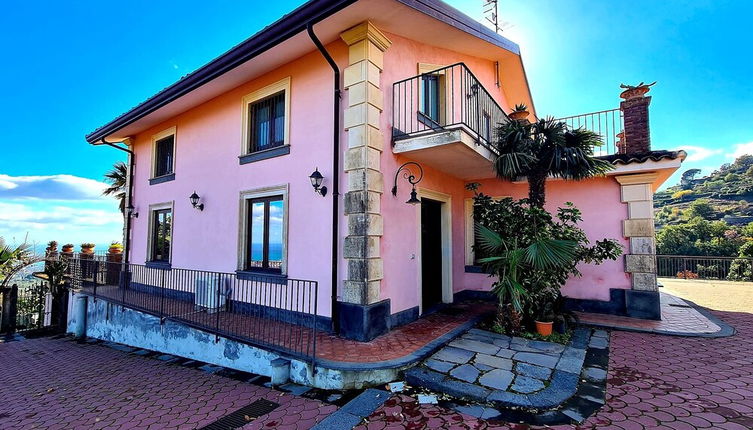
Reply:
x=642, y=300
x=637, y=136
x=77, y=321
x=361, y=292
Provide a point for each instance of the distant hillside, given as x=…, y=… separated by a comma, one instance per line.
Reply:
x=723, y=195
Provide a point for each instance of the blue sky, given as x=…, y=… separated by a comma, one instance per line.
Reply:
x=69, y=67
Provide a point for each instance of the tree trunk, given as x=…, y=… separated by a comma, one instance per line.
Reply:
x=537, y=189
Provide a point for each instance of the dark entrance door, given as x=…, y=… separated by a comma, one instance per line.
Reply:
x=431, y=252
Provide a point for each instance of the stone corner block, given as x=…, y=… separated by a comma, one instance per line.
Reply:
x=638, y=227
x=635, y=263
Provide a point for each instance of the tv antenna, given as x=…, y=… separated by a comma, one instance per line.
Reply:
x=491, y=13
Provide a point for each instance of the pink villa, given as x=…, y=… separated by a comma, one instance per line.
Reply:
x=269, y=171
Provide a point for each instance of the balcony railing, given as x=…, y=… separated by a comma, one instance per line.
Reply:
x=273, y=313
x=607, y=123
x=447, y=98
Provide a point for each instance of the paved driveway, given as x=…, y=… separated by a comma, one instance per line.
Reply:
x=60, y=384
x=655, y=382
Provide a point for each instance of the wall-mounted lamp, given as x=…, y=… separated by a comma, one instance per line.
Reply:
x=411, y=178
x=131, y=211
x=316, y=182
x=195, y=201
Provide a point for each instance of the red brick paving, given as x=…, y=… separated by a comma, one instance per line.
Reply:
x=59, y=384
x=655, y=382
x=400, y=341
x=677, y=317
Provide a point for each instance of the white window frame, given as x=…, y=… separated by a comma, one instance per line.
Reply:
x=172, y=131
x=150, y=238
x=248, y=99
x=275, y=190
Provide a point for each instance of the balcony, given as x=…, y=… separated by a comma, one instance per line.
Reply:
x=446, y=119
x=609, y=124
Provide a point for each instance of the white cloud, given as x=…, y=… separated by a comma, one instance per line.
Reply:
x=65, y=208
x=53, y=187
x=700, y=153
x=741, y=149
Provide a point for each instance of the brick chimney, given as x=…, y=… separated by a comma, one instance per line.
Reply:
x=634, y=106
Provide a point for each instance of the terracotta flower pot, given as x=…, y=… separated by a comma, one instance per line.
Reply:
x=518, y=114
x=634, y=93
x=87, y=250
x=115, y=250
x=544, y=328
x=67, y=249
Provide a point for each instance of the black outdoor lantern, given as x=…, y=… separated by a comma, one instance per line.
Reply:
x=195, y=201
x=131, y=211
x=316, y=182
x=411, y=178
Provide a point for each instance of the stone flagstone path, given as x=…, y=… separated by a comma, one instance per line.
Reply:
x=489, y=367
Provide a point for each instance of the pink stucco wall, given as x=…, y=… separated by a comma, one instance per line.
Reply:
x=208, y=144
x=599, y=201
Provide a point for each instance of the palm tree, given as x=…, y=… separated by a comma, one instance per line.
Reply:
x=117, y=178
x=546, y=148
x=14, y=259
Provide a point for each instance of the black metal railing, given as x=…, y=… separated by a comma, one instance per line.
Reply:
x=271, y=312
x=446, y=98
x=607, y=123
x=704, y=267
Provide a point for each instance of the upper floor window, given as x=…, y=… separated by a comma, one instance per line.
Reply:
x=160, y=235
x=163, y=164
x=432, y=104
x=266, y=118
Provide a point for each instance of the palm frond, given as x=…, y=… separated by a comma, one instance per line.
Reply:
x=550, y=253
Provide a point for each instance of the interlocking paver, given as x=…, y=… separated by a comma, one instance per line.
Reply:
x=654, y=382
x=58, y=383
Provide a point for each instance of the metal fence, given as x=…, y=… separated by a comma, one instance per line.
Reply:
x=33, y=307
x=607, y=123
x=704, y=267
x=450, y=97
x=274, y=313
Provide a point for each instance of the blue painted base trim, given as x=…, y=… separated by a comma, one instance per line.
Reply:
x=629, y=303
x=158, y=265
x=403, y=317
x=466, y=295
x=293, y=317
x=364, y=322
x=184, y=296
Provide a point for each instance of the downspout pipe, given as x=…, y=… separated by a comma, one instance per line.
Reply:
x=335, y=174
x=129, y=195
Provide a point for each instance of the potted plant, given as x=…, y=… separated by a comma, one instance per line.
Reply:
x=52, y=246
x=519, y=112
x=68, y=248
x=87, y=248
x=635, y=91
x=115, y=248
x=545, y=319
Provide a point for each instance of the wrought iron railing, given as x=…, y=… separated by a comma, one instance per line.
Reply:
x=271, y=312
x=607, y=123
x=446, y=98
x=704, y=267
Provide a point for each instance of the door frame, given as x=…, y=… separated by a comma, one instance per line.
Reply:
x=446, y=222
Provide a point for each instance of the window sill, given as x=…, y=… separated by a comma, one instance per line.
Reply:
x=252, y=275
x=161, y=179
x=474, y=269
x=264, y=155
x=158, y=265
